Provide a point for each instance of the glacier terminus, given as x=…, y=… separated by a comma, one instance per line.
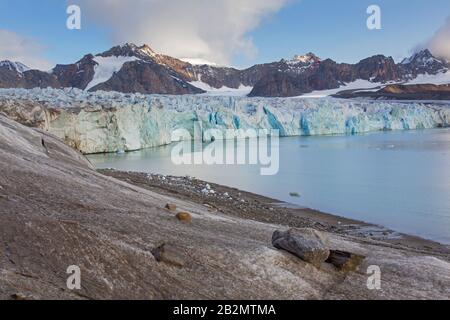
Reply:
x=99, y=122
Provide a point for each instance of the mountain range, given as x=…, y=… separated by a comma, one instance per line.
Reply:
x=130, y=68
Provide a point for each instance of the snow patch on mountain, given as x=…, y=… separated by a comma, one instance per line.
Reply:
x=438, y=79
x=14, y=66
x=147, y=51
x=423, y=57
x=355, y=85
x=224, y=91
x=106, y=67
x=309, y=58
x=368, y=86
x=199, y=62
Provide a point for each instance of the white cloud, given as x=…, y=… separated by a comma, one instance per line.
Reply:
x=439, y=44
x=214, y=30
x=16, y=48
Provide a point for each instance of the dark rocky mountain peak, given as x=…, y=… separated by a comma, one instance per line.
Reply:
x=378, y=68
x=143, y=52
x=306, y=59
x=422, y=62
x=424, y=56
x=76, y=75
x=13, y=66
x=18, y=75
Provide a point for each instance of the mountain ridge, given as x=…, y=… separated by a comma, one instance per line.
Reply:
x=130, y=68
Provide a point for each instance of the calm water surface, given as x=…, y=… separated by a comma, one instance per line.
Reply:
x=397, y=179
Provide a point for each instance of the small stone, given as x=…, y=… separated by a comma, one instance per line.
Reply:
x=171, y=206
x=308, y=244
x=185, y=217
x=170, y=254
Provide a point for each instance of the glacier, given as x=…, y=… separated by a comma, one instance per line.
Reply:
x=101, y=122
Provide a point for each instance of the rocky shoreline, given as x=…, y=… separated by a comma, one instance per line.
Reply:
x=234, y=202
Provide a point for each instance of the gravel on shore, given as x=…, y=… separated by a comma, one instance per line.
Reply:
x=234, y=202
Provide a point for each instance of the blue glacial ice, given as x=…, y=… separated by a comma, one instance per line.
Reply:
x=111, y=121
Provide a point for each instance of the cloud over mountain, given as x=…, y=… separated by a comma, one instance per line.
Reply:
x=17, y=48
x=439, y=44
x=214, y=30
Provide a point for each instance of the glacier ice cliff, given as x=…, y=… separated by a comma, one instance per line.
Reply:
x=110, y=121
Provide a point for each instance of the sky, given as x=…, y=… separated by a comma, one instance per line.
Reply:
x=230, y=32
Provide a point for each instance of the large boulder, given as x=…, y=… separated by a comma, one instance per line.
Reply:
x=308, y=244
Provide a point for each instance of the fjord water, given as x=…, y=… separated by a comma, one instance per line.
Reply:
x=400, y=179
